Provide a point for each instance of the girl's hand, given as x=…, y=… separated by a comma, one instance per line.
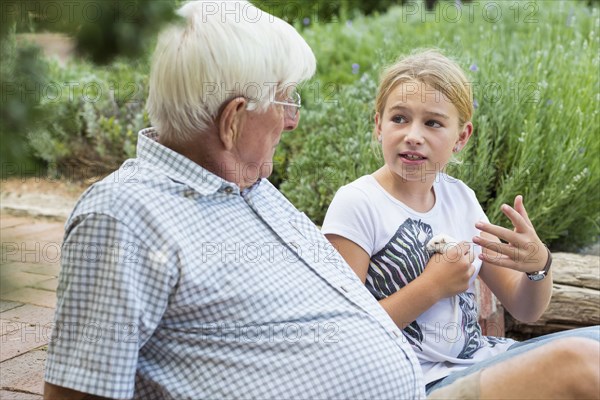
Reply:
x=524, y=251
x=451, y=270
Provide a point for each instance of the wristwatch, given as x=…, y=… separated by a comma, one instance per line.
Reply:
x=539, y=275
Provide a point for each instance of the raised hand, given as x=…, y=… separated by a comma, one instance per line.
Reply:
x=522, y=251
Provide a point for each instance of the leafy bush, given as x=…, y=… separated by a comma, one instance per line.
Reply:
x=535, y=75
x=104, y=29
x=332, y=148
x=307, y=12
x=19, y=68
x=94, y=116
x=535, y=79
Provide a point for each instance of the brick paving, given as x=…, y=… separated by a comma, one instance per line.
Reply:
x=28, y=277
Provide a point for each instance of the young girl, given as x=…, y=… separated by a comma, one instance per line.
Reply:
x=381, y=224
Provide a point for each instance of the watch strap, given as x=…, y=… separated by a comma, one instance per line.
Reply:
x=538, y=276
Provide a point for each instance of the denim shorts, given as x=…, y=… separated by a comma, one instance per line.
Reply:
x=592, y=332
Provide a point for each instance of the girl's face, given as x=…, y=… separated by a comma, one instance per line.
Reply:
x=419, y=129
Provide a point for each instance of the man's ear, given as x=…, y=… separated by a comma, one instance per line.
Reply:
x=231, y=121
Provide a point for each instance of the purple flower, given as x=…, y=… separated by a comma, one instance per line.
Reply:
x=474, y=67
x=355, y=68
x=475, y=103
x=306, y=21
x=549, y=102
x=349, y=23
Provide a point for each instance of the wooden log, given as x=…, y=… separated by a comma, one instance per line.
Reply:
x=575, y=298
x=576, y=270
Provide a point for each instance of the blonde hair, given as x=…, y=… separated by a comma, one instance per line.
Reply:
x=432, y=68
x=221, y=50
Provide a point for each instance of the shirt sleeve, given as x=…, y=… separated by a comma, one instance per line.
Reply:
x=350, y=216
x=112, y=292
x=476, y=208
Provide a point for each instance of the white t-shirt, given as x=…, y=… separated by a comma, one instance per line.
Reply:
x=446, y=337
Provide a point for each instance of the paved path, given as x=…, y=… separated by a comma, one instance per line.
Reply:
x=28, y=278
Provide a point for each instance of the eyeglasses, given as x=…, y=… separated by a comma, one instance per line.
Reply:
x=291, y=106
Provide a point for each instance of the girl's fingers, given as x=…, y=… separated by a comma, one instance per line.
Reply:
x=500, y=232
x=499, y=260
x=520, y=207
x=517, y=219
x=493, y=247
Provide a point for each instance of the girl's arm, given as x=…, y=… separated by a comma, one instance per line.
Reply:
x=442, y=277
x=505, y=264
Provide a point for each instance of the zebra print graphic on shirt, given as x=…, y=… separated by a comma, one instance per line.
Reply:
x=399, y=262
x=471, y=330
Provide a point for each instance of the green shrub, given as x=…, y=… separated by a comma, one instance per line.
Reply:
x=535, y=76
x=94, y=116
x=308, y=12
x=20, y=67
x=332, y=147
x=536, y=122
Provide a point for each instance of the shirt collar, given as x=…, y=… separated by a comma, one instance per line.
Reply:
x=177, y=166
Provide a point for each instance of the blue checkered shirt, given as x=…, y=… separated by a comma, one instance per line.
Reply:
x=176, y=285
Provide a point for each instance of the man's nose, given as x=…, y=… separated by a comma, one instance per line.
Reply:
x=289, y=124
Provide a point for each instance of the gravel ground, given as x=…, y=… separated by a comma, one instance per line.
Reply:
x=39, y=197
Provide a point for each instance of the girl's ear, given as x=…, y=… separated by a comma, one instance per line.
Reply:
x=464, y=135
x=378, y=127
x=231, y=121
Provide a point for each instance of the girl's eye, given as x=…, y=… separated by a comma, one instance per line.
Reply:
x=433, y=124
x=398, y=119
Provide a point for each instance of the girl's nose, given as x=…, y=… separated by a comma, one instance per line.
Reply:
x=413, y=135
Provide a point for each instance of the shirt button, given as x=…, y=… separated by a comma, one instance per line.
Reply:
x=397, y=333
x=228, y=190
x=346, y=289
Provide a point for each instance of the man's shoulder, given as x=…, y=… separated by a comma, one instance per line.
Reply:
x=129, y=190
x=274, y=196
x=128, y=182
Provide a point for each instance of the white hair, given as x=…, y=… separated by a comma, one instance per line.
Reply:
x=222, y=50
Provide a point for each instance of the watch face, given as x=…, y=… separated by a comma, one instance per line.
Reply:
x=536, y=277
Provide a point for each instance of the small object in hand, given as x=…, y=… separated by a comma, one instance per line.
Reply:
x=440, y=243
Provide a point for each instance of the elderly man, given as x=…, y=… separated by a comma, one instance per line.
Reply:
x=186, y=274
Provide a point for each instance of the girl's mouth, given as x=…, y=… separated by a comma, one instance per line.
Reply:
x=412, y=156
